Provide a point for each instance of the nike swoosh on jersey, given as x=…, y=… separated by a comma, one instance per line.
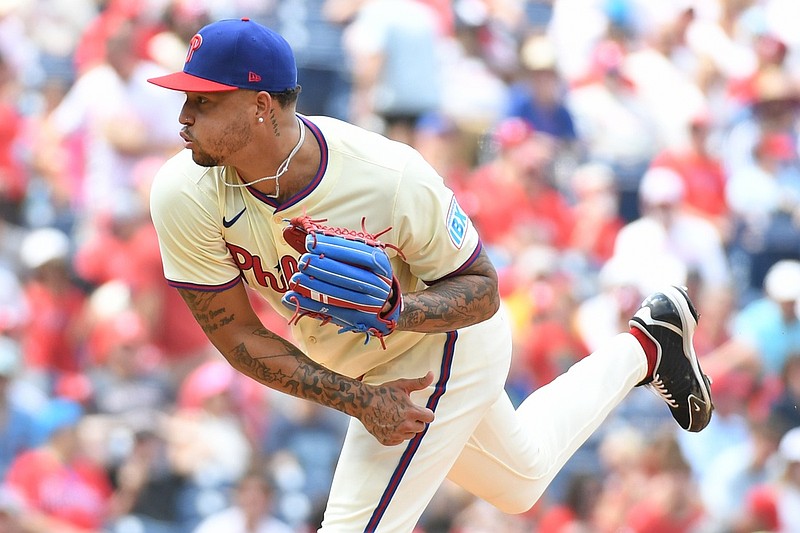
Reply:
x=231, y=222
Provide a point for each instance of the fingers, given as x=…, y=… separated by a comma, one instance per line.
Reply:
x=425, y=416
x=410, y=385
x=414, y=429
x=414, y=419
x=426, y=380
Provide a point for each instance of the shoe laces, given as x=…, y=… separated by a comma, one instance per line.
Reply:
x=658, y=386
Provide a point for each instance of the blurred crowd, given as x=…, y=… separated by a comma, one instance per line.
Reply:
x=601, y=147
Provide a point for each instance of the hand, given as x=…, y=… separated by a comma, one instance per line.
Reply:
x=391, y=417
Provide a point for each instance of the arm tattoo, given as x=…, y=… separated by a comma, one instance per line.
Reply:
x=454, y=302
x=298, y=375
x=280, y=365
x=209, y=316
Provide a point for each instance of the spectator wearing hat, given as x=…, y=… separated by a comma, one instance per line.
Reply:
x=668, y=502
x=764, y=197
x=766, y=331
x=123, y=248
x=595, y=209
x=538, y=93
x=614, y=124
x=445, y=145
x=148, y=486
x=616, y=294
x=51, y=337
x=518, y=203
x=773, y=110
x=667, y=244
x=769, y=52
x=769, y=185
x=118, y=116
x=663, y=68
x=775, y=505
x=127, y=384
x=788, y=495
x=207, y=439
x=703, y=174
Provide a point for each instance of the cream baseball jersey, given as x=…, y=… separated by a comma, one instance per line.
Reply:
x=211, y=235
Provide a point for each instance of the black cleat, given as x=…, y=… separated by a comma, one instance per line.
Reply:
x=668, y=318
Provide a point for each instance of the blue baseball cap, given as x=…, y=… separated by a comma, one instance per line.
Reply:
x=234, y=54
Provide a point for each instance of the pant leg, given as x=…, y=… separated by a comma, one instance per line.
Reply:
x=513, y=455
x=386, y=489
x=478, y=440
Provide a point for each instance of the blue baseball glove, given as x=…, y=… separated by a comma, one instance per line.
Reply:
x=344, y=277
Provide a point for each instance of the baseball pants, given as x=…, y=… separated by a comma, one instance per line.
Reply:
x=503, y=455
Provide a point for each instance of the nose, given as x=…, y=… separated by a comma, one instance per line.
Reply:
x=185, y=117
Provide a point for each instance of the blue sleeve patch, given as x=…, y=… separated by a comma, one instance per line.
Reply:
x=457, y=223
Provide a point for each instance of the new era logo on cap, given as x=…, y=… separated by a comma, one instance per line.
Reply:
x=234, y=54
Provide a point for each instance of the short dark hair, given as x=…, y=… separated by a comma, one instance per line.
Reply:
x=287, y=97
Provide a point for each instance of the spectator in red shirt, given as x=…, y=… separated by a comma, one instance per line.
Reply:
x=670, y=502
x=703, y=175
x=52, y=336
x=124, y=248
x=771, y=53
x=518, y=205
x=61, y=490
x=595, y=212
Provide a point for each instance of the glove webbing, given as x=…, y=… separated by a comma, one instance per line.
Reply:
x=312, y=227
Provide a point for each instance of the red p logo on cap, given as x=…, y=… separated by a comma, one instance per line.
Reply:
x=194, y=44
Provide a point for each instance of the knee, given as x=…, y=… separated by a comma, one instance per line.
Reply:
x=515, y=502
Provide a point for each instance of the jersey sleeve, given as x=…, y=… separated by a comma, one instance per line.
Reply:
x=186, y=215
x=435, y=234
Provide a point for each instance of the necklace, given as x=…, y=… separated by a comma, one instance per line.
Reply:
x=282, y=168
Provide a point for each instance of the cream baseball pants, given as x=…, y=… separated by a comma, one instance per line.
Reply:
x=503, y=455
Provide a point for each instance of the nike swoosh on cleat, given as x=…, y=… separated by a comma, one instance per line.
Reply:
x=696, y=403
x=231, y=222
x=696, y=407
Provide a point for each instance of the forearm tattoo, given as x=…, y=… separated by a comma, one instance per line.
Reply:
x=292, y=372
x=208, y=316
x=285, y=368
x=453, y=303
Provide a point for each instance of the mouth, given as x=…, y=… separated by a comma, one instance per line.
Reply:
x=188, y=142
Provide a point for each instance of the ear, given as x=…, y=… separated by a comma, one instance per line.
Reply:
x=264, y=103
